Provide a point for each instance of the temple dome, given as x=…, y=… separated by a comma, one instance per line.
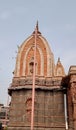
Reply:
x=44, y=57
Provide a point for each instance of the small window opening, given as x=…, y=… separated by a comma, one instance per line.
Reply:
x=31, y=67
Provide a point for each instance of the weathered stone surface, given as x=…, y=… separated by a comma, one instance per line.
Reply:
x=50, y=86
x=49, y=109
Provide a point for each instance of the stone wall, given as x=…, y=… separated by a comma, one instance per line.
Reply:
x=49, y=110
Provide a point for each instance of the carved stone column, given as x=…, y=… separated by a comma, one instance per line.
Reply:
x=72, y=73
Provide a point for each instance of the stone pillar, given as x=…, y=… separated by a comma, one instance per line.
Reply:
x=72, y=73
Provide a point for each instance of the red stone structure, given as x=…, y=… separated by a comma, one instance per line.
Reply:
x=55, y=93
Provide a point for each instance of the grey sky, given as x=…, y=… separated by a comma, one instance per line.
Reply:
x=57, y=23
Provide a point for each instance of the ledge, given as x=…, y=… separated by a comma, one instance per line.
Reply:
x=72, y=70
x=54, y=88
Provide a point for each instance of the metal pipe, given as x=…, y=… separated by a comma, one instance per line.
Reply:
x=33, y=87
x=65, y=110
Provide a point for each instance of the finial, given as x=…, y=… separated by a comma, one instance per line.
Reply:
x=58, y=62
x=37, y=26
x=37, y=29
x=58, y=59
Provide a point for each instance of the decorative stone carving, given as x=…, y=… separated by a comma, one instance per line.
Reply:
x=73, y=91
x=28, y=108
x=73, y=78
x=39, y=82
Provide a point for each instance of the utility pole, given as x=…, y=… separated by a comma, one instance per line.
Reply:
x=33, y=87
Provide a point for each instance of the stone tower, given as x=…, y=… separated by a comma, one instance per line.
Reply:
x=50, y=88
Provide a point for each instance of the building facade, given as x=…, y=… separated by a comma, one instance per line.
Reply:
x=54, y=104
x=4, y=116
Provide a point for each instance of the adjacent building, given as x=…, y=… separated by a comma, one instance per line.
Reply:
x=4, y=115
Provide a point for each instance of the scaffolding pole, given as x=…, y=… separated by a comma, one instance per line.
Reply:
x=33, y=87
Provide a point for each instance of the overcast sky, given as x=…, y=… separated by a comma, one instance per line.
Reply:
x=57, y=23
